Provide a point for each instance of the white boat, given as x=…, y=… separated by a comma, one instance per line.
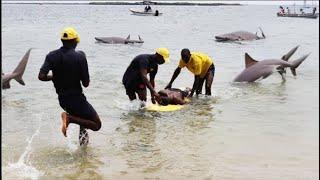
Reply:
x=144, y=13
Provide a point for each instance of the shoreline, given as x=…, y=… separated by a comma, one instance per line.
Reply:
x=125, y=3
x=167, y=4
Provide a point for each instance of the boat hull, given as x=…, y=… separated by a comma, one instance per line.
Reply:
x=142, y=13
x=312, y=16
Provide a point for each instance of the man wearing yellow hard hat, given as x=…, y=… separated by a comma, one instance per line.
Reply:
x=135, y=78
x=201, y=65
x=69, y=69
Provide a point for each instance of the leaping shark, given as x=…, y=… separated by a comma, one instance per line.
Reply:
x=16, y=74
x=118, y=40
x=240, y=36
x=262, y=69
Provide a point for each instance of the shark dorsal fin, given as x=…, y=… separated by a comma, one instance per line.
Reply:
x=128, y=38
x=249, y=60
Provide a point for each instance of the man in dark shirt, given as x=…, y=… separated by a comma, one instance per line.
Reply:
x=69, y=68
x=135, y=78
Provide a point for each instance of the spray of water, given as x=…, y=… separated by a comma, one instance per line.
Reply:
x=23, y=167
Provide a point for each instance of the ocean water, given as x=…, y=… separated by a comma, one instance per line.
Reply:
x=263, y=130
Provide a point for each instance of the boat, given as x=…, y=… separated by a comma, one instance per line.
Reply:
x=144, y=13
x=306, y=15
x=304, y=12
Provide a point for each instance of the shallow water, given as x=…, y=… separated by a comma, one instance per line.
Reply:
x=263, y=130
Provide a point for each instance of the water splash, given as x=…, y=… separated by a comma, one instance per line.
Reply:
x=23, y=167
x=134, y=105
x=72, y=144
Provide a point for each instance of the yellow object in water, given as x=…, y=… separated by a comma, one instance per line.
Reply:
x=157, y=107
x=170, y=107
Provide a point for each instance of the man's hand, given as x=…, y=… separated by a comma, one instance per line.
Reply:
x=153, y=100
x=191, y=94
x=155, y=96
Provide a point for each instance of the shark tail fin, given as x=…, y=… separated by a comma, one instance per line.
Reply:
x=249, y=60
x=22, y=64
x=263, y=36
x=289, y=54
x=296, y=64
x=128, y=37
x=20, y=80
x=19, y=70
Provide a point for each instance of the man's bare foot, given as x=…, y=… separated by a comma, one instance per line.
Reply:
x=65, y=123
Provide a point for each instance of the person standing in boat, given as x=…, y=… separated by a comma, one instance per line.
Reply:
x=314, y=10
x=288, y=10
x=281, y=10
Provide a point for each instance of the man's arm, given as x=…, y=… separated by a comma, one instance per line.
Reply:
x=143, y=73
x=44, y=70
x=44, y=77
x=174, y=76
x=195, y=85
x=85, y=77
x=152, y=77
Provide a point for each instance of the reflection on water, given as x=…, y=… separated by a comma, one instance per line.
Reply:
x=153, y=141
x=58, y=162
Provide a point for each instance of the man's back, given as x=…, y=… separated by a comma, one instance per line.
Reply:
x=139, y=62
x=68, y=68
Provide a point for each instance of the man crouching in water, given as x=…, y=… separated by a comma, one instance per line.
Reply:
x=69, y=68
x=173, y=96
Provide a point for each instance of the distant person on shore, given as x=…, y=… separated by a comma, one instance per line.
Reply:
x=173, y=96
x=314, y=10
x=301, y=10
x=135, y=78
x=201, y=65
x=69, y=69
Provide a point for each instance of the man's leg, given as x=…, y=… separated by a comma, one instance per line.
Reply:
x=141, y=90
x=209, y=80
x=93, y=124
x=199, y=89
x=80, y=112
x=131, y=94
x=83, y=136
x=142, y=94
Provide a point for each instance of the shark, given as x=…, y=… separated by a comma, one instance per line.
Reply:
x=239, y=36
x=118, y=40
x=256, y=70
x=17, y=73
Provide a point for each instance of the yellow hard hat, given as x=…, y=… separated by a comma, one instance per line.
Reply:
x=164, y=52
x=69, y=33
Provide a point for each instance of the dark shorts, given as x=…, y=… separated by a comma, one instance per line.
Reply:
x=77, y=105
x=135, y=87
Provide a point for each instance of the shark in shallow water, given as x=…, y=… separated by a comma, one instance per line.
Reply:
x=262, y=69
x=118, y=40
x=239, y=36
